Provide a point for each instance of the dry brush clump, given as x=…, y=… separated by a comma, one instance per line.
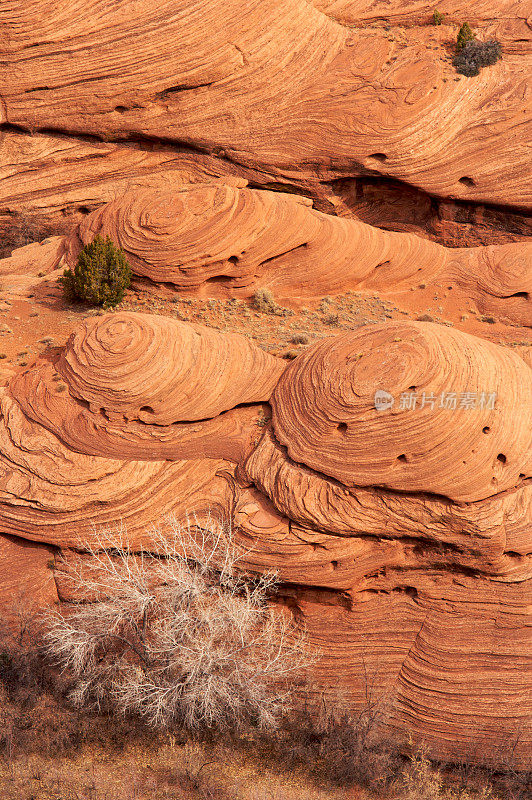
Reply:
x=177, y=635
x=475, y=55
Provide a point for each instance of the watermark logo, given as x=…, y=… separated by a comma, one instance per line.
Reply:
x=383, y=400
x=409, y=401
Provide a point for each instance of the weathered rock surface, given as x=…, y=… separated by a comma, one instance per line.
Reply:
x=442, y=435
x=418, y=11
x=162, y=371
x=383, y=527
x=402, y=536
x=139, y=376
x=233, y=239
x=49, y=493
x=26, y=578
x=38, y=196
x=276, y=86
x=412, y=576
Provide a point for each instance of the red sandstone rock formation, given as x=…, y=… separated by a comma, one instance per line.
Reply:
x=132, y=394
x=27, y=580
x=402, y=535
x=442, y=435
x=160, y=371
x=406, y=571
x=243, y=238
x=275, y=86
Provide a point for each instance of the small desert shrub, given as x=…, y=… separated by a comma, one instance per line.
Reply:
x=264, y=300
x=422, y=779
x=332, y=319
x=300, y=338
x=437, y=18
x=465, y=34
x=19, y=230
x=335, y=746
x=474, y=55
x=182, y=637
x=101, y=275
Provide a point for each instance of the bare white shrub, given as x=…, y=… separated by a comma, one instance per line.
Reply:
x=178, y=634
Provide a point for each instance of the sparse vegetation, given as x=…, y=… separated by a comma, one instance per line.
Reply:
x=51, y=751
x=101, y=275
x=437, y=18
x=474, y=55
x=332, y=319
x=183, y=637
x=262, y=420
x=465, y=34
x=300, y=338
x=264, y=300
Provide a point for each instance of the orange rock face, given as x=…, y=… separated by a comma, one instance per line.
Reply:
x=237, y=239
x=88, y=433
x=162, y=371
x=27, y=579
x=406, y=569
x=386, y=472
x=279, y=87
x=450, y=431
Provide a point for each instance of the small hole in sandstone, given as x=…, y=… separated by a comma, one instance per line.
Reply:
x=121, y=109
x=84, y=209
x=335, y=564
x=411, y=388
x=233, y=259
x=402, y=458
x=147, y=410
x=342, y=427
x=465, y=181
x=378, y=157
x=522, y=475
x=502, y=458
x=486, y=429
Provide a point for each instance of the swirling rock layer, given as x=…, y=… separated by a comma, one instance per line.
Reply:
x=441, y=435
x=48, y=493
x=403, y=536
x=381, y=575
x=162, y=371
x=279, y=86
x=247, y=238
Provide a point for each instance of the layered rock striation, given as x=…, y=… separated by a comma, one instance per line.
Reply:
x=400, y=534
x=284, y=88
x=233, y=239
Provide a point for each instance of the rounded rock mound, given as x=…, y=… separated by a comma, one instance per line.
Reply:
x=201, y=232
x=144, y=367
x=454, y=416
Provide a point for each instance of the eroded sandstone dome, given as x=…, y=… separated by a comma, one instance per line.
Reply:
x=460, y=424
x=161, y=370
